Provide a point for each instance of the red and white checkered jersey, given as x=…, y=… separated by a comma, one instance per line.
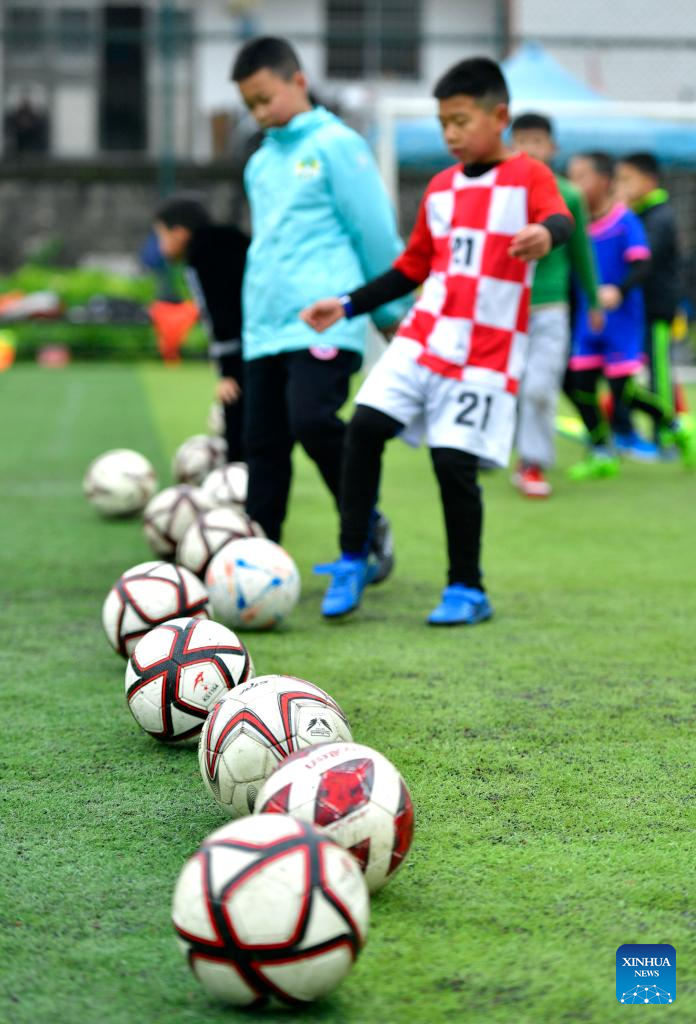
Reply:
x=471, y=317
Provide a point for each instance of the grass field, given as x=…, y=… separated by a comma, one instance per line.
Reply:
x=549, y=753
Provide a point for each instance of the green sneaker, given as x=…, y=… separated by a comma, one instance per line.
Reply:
x=598, y=464
x=683, y=435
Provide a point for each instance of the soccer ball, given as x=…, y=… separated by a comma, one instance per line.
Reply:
x=207, y=534
x=197, y=457
x=178, y=671
x=227, y=485
x=170, y=513
x=353, y=794
x=255, y=727
x=270, y=907
x=253, y=583
x=147, y=595
x=119, y=482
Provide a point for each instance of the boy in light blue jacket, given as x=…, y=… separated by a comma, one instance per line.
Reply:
x=320, y=214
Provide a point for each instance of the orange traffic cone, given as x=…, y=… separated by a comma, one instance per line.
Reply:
x=172, y=321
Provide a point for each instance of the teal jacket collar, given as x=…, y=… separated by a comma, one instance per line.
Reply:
x=301, y=124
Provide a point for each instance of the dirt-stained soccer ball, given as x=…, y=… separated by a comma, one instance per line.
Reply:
x=197, y=457
x=147, y=595
x=119, y=482
x=209, y=532
x=178, y=671
x=168, y=515
x=253, y=583
x=270, y=907
x=352, y=793
x=227, y=485
x=251, y=730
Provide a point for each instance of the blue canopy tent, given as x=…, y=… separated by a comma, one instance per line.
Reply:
x=534, y=78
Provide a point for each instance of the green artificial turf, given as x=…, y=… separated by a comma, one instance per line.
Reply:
x=549, y=753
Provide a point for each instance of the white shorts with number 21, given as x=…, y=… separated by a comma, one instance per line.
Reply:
x=445, y=413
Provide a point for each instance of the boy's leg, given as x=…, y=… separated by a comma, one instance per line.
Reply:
x=629, y=391
x=390, y=399
x=267, y=443
x=456, y=473
x=234, y=420
x=316, y=391
x=659, y=340
x=581, y=387
x=367, y=434
x=538, y=400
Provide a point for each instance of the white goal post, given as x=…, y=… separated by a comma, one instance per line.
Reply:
x=391, y=109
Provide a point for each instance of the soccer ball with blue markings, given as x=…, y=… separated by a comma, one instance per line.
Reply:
x=253, y=584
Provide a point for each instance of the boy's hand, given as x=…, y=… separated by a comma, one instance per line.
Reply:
x=322, y=314
x=531, y=243
x=228, y=391
x=610, y=297
x=597, y=320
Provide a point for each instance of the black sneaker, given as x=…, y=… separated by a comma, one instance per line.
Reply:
x=381, y=554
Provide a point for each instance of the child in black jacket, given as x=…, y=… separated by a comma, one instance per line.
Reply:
x=214, y=255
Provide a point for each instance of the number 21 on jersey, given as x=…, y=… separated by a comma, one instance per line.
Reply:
x=466, y=245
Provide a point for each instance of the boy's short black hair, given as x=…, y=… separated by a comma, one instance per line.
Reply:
x=478, y=77
x=266, y=52
x=182, y=210
x=531, y=121
x=646, y=163
x=602, y=162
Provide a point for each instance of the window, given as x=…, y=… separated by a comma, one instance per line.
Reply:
x=73, y=28
x=373, y=38
x=175, y=27
x=25, y=31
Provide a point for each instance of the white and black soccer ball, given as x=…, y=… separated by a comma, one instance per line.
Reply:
x=255, y=727
x=178, y=671
x=352, y=793
x=168, y=515
x=270, y=907
x=147, y=595
x=227, y=485
x=209, y=532
x=253, y=583
x=119, y=482
x=197, y=457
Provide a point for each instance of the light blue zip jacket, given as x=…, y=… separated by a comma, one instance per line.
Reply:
x=322, y=224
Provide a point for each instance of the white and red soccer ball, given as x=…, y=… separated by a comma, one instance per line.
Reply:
x=352, y=793
x=119, y=482
x=227, y=485
x=209, y=532
x=168, y=515
x=253, y=583
x=255, y=727
x=269, y=907
x=178, y=671
x=147, y=595
x=198, y=456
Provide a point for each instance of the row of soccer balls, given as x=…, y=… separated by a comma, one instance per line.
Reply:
x=281, y=907
x=276, y=903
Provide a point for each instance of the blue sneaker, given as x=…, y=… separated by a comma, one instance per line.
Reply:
x=461, y=605
x=350, y=577
x=633, y=446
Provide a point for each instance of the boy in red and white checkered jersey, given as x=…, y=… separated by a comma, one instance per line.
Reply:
x=451, y=373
